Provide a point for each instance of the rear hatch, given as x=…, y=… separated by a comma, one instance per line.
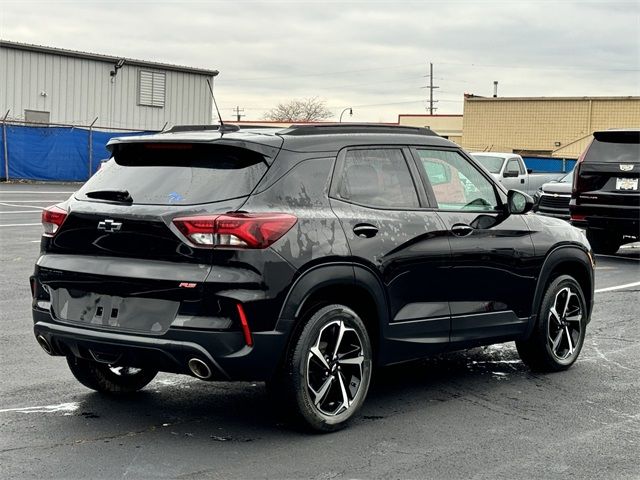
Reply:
x=118, y=261
x=608, y=175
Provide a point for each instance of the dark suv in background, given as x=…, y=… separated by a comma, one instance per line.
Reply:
x=305, y=257
x=606, y=195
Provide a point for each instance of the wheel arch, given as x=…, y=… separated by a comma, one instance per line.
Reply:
x=564, y=260
x=349, y=284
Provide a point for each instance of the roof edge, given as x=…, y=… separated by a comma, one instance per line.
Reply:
x=473, y=98
x=103, y=58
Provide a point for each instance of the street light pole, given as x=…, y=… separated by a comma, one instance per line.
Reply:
x=342, y=113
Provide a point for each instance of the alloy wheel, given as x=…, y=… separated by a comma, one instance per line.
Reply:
x=565, y=324
x=335, y=368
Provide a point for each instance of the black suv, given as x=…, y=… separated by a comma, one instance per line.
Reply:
x=606, y=197
x=305, y=257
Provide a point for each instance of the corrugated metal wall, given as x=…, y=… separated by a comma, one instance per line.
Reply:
x=79, y=90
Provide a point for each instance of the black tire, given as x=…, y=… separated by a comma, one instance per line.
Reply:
x=106, y=379
x=557, y=340
x=303, y=377
x=603, y=242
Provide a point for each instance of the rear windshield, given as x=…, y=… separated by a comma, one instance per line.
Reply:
x=177, y=174
x=615, y=147
x=493, y=164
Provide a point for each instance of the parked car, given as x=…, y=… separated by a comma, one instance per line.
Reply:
x=305, y=257
x=606, y=198
x=510, y=170
x=553, y=197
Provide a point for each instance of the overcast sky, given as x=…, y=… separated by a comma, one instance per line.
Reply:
x=369, y=55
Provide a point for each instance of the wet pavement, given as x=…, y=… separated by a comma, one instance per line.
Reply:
x=473, y=414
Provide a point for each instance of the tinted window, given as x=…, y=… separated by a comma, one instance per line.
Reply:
x=456, y=183
x=178, y=174
x=616, y=147
x=378, y=178
x=493, y=164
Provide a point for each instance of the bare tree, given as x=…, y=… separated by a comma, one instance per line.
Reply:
x=300, y=110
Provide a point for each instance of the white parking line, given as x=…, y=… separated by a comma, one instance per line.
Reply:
x=618, y=257
x=618, y=287
x=36, y=201
x=20, y=224
x=21, y=206
x=63, y=407
x=2, y=192
x=22, y=211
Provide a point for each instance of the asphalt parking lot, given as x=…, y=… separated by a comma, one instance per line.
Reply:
x=473, y=414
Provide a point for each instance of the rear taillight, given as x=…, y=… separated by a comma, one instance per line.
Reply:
x=235, y=230
x=52, y=219
x=576, y=187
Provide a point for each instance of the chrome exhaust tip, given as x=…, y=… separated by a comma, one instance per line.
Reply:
x=199, y=368
x=44, y=343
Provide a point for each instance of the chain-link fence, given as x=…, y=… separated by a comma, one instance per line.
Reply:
x=53, y=152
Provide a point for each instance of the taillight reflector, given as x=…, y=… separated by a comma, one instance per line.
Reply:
x=245, y=326
x=236, y=230
x=578, y=218
x=52, y=219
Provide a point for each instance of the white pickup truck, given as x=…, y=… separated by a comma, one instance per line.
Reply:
x=510, y=170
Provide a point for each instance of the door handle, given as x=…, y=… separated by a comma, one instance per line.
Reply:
x=365, y=230
x=461, y=229
x=522, y=180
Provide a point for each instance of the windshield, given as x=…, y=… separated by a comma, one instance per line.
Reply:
x=176, y=174
x=493, y=164
x=568, y=178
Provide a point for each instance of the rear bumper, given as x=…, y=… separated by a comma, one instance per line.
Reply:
x=226, y=353
x=621, y=220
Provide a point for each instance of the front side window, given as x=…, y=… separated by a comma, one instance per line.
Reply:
x=377, y=177
x=513, y=166
x=456, y=183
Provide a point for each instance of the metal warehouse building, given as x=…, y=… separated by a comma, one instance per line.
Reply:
x=543, y=126
x=50, y=85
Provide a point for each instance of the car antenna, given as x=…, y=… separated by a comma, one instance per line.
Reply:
x=221, y=129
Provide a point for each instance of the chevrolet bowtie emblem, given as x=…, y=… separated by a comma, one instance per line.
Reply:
x=626, y=168
x=109, y=225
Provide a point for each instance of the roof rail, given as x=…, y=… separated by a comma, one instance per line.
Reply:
x=200, y=128
x=350, y=128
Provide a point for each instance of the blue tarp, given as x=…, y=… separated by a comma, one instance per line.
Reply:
x=547, y=164
x=53, y=153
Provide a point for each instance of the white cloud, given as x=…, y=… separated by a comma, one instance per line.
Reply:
x=364, y=54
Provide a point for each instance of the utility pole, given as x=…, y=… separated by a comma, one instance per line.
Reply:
x=238, y=114
x=431, y=88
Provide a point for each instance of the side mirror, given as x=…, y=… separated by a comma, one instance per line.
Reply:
x=511, y=173
x=519, y=202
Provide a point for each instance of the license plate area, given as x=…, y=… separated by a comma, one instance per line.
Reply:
x=626, y=183
x=134, y=314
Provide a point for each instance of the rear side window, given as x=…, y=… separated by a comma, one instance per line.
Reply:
x=614, y=147
x=376, y=178
x=178, y=174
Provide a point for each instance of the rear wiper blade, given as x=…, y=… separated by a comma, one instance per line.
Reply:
x=113, y=195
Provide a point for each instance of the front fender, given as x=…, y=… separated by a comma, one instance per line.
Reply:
x=563, y=258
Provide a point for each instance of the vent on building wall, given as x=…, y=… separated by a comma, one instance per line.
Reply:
x=151, y=88
x=36, y=116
